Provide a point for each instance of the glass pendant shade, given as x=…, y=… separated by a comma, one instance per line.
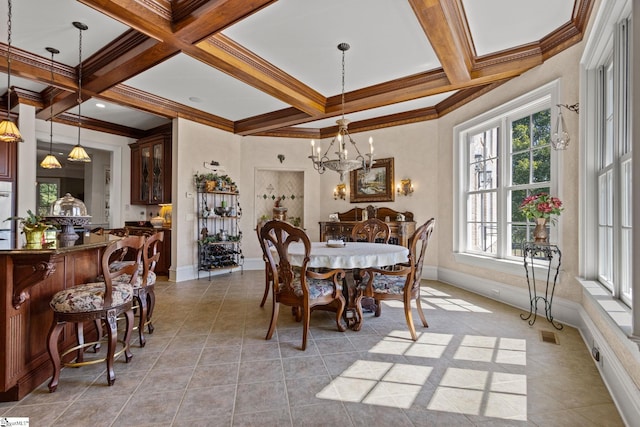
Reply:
x=9, y=132
x=50, y=162
x=560, y=137
x=78, y=154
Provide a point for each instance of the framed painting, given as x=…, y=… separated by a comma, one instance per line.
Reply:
x=374, y=186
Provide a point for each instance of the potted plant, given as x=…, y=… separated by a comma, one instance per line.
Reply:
x=540, y=208
x=33, y=227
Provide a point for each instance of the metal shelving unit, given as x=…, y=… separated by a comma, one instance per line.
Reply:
x=220, y=237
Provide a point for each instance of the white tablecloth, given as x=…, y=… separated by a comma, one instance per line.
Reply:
x=352, y=255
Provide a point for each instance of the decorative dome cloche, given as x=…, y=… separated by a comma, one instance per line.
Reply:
x=68, y=212
x=68, y=206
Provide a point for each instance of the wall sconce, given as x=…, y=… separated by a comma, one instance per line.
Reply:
x=340, y=192
x=405, y=187
x=560, y=137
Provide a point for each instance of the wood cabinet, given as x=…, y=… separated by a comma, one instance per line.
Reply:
x=151, y=170
x=28, y=280
x=7, y=161
x=401, y=231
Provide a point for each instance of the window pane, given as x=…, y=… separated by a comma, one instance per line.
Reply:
x=520, y=135
x=541, y=128
x=482, y=222
x=47, y=194
x=520, y=171
x=519, y=235
x=542, y=164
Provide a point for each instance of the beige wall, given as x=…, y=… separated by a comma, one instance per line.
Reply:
x=564, y=66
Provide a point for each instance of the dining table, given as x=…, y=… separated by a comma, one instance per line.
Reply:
x=349, y=256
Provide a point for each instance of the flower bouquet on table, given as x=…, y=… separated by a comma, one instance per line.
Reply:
x=540, y=208
x=541, y=205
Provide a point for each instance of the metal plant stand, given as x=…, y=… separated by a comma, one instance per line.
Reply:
x=538, y=252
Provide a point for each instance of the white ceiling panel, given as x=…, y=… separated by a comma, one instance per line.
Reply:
x=496, y=25
x=301, y=37
x=182, y=77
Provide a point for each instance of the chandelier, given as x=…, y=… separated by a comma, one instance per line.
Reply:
x=78, y=154
x=342, y=164
x=9, y=132
x=50, y=162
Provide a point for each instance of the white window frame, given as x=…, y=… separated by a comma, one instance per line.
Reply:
x=610, y=46
x=539, y=99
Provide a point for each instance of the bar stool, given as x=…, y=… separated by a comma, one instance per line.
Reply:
x=99, y=302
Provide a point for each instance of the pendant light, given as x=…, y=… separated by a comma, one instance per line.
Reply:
x=78, y=154
x=342, y=164
x=50, y=162
x=9, y=132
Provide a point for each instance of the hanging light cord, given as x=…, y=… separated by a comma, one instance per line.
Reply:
x=53, y=52
x=79, y=85
x=344, y=49
x=9, y=62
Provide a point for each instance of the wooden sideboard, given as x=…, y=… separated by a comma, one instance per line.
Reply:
x=401, y=231
x=28, y=280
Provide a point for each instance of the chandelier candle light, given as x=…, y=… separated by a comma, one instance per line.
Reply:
x=342, y=164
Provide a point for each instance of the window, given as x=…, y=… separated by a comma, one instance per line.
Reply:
x=612, y=155
x=503, y=157
x=47, y=194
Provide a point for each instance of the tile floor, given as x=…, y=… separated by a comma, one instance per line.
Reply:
x=207, y=364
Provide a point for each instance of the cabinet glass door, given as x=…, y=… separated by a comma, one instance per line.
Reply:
x=145, y=175
x=156, y=189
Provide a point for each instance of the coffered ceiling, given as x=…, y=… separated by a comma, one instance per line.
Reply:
x=266, y=67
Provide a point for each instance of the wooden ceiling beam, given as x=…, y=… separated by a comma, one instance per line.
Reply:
x=445, y=26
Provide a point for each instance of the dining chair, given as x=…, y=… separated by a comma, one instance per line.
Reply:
x=402, y=282
x=300, y=288
x=98, y=301
x=371, y=230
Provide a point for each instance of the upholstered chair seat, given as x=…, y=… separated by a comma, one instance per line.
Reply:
x=90, y=297
x=318, y=288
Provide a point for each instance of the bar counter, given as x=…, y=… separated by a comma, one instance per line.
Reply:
x=29, y=277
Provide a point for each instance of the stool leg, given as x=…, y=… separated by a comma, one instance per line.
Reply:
x=142, y=301
x=80, y=339
x=127, y=335
x=54, y=354
x=112, y=335
x=151, y=295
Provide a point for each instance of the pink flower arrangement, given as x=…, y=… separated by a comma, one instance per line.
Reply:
x=541, y=206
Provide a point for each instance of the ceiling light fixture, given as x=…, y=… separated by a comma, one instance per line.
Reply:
x=560, y=137
x=50, y=162
x=342, y=164
x=9, y=132
x=78, y=154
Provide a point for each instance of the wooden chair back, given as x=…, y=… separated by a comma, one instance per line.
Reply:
x=126, y=244
x=276, y=237
x=151, y=254
x=418, y=243
x=371, y=229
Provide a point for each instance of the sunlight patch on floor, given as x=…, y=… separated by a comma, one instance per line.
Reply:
x=476, y=392
x=378, y=383
x=463, y=391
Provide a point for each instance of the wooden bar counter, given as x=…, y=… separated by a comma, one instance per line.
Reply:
x=28, y=279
